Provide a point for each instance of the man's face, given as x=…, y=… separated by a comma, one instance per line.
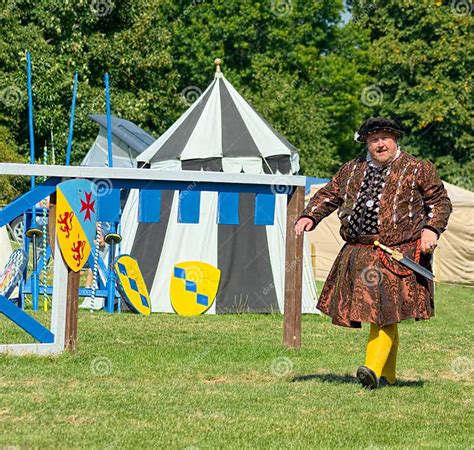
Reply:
x=382, y=146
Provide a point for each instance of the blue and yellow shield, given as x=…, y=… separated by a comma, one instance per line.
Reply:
x=193, y=287
x=131, y=284
x=76, y=215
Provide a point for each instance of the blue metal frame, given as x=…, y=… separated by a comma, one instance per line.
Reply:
x=26, y=201
x=25, y=321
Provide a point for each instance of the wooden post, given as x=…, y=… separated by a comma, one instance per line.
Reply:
x=72, y=306
x=73, y=279
x=293, y=272
x=52, y=223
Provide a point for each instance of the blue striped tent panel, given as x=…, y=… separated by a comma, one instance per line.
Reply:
x=228, y=208
x=189, y=206
x=149, y=205
x=109, y=203
x=264, y=209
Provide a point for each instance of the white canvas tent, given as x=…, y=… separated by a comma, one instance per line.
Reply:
x=453, y=259
x=219, y=132
x=5, y=247
x=128, y=141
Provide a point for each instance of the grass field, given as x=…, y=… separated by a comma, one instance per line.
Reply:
x=225, y=381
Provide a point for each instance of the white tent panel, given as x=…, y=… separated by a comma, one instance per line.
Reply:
x=185, y=242
x=247, y=165
x=129, y=221
x=295, y=163
x=275, y=238
x=206, y=139
x=174, y=165
x=276, y=235
x=310, y=295
x=97, y=156
x=5, y=247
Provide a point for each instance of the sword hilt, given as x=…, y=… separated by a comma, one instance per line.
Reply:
x=395, y=254
x=383, y=247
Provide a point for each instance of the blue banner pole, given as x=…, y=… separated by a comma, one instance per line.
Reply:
x=71, y=122
x=30, y=116
x=110, y=273
x=26, y=240
x=109, y=121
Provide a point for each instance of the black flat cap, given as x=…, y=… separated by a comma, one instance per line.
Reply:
x=374, y=124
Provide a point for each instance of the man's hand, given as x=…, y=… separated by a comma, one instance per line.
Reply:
x=428, y=240
x=304, y=224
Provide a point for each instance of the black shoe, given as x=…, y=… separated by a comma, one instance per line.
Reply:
x=367, y=377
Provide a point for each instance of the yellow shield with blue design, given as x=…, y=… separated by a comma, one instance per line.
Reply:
x=76, y=221
x=193, y=287
x=131, y=284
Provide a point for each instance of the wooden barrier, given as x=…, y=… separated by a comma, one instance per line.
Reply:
x=151, y=182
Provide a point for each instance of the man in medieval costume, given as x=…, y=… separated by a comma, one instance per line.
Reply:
x=389, y=196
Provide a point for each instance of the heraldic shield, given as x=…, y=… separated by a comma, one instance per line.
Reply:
x=193, y=287
x=131, y=284
x=76, y=221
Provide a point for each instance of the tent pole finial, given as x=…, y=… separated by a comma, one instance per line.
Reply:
x=218, y=63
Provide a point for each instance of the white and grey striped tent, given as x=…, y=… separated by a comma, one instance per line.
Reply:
x=219, y=132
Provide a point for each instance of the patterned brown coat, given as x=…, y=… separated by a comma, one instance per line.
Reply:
x=362, y=286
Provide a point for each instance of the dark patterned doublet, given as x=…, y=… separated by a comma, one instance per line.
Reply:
x=365, y=215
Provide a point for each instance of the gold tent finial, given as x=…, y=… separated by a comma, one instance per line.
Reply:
x=218, y=63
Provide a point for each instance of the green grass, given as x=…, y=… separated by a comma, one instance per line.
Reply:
x=220, y=381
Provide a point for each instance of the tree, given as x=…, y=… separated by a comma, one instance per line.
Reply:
x=10, y=186
x=313, y=78
x=127, y=39
x=421, y=64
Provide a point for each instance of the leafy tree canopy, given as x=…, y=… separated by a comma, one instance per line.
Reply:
x=312, y=76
